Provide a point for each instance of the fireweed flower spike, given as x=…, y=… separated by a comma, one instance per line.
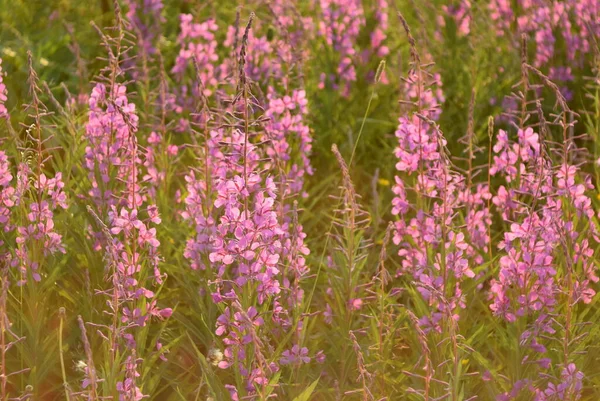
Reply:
x=546, y=262
x=460, y=12
x=242, y=235
x=7, y=195
x=197, y=40
x=379, y=35
x=3, y=98
x=340, y=26
x=36, y=193
x=246, y=228
x=421, y=154
x=284, y=127
x=549, y=23
x=111, y=132
x=30, y=197
x=126, y=218
x=145, y=19
x=429, y=195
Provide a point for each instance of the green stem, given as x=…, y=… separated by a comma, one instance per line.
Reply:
x=61, y=314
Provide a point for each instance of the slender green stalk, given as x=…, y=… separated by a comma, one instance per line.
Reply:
x=61, y=315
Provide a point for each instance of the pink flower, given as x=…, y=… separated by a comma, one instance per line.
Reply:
x=295, y=356
x=3, y=95
x=126, y=221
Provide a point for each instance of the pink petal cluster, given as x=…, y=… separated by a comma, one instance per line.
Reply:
x=379, y=32
x=478, y=219
x=546, y=236
x=7, y=194
x=298, y=29
x=534, y=236
x=265, y=59
x=428, y=96
x=240, y=234
x=36, y=237
x=157, y=147
x=419, y=230
x=238, y=201
x=288, y=132
x=127, y=389
x=120, y=195
x=108, y=131
x=197, y=40
x=460, y=13
x=3, y=98
x=111, y=131
x=340, y=26
x=295, y=356
x=145, y=19
x=569, y=388
x=548, y=23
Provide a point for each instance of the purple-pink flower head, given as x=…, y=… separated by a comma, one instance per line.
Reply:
x=3, y=94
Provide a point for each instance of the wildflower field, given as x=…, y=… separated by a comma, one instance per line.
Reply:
x=299, y=200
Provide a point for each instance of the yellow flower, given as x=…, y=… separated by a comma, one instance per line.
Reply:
x=384, y=182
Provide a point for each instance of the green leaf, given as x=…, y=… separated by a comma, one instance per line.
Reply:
x=305, y=395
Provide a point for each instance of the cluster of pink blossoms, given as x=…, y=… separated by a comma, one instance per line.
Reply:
x=157, y=147
x=542, y=231
x=108, y=131
x=569, y=388
x=197, y=69
x=478, y=219
x=575, y=21
x=379, y=35
x=197, y=40
x=7, y=192
x=115, y=166
x=460, y=13
x=266, y=60
x=288, y=132
x=238, y=201
x=3, y=98
x=533, y=239
x=39, y=228
x=530, y=243
x=240, y=234
x=145, y=19
x=420, y=155
x=198, y=202
x=113, y=152
x=298, y=29
x=27, y=208
x=548, y=22
x=429, y=96
x=340, y=26
x=40, y=196
x=427, y=225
